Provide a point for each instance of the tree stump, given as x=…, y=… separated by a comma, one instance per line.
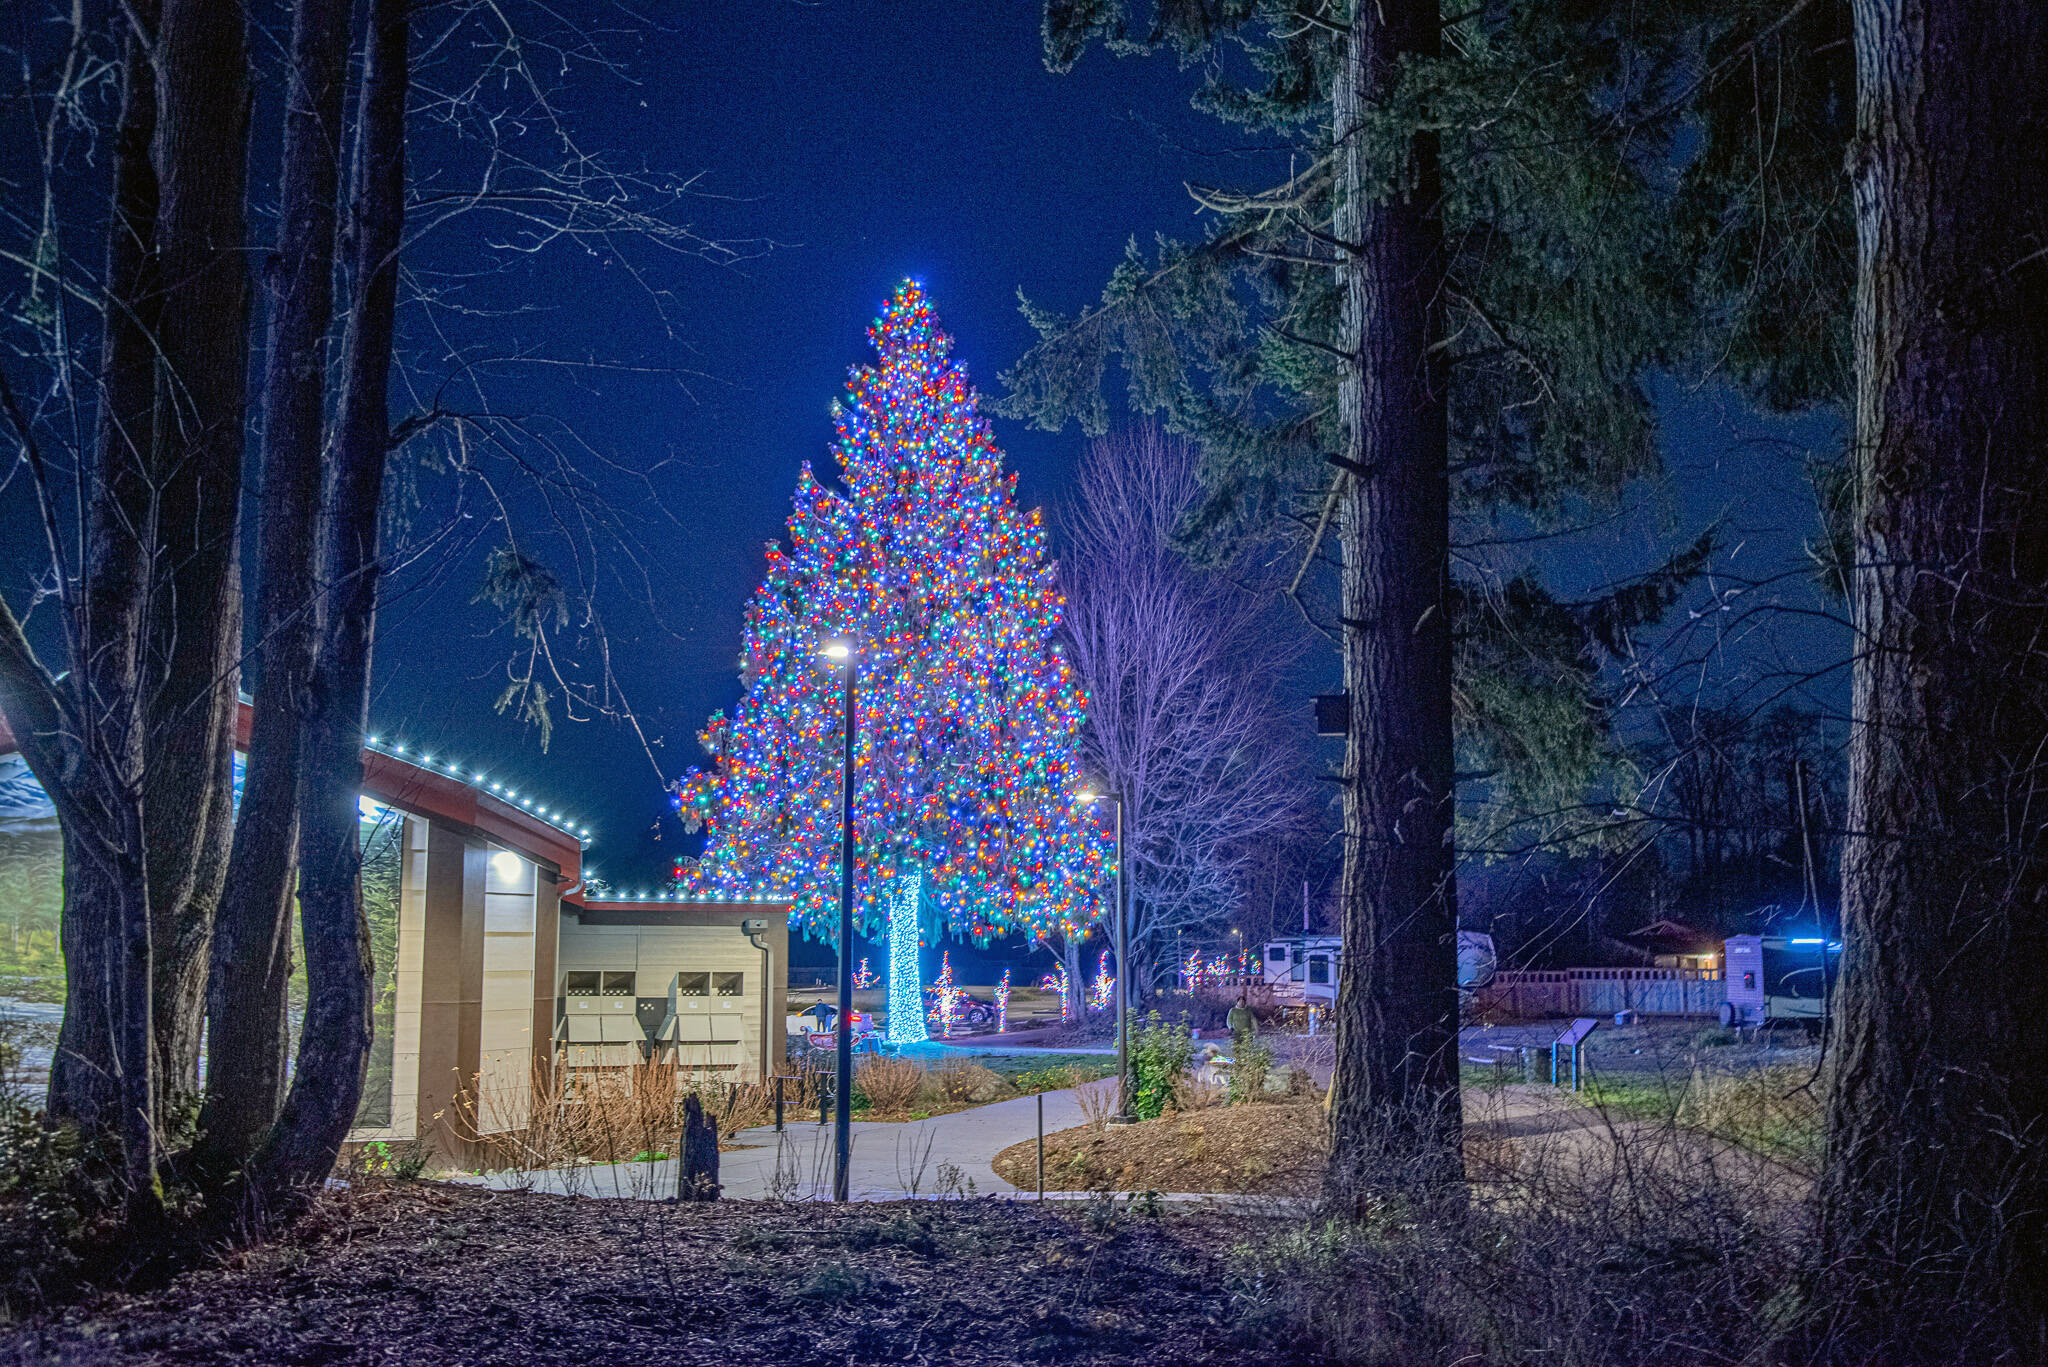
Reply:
x=697, y=1177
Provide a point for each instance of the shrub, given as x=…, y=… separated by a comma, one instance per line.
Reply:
x=1250, y=1063
x=1046, y=1080
x=1160, y=1054
x=962, y=1080
x=60, y=1210
x=1715, y=1037
x=890, y=1084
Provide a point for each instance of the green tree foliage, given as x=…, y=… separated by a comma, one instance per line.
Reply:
x=1762, y=209
x=1558, y=135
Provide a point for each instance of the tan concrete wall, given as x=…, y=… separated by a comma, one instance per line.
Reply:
x=504, y=1068
x=745, y=1031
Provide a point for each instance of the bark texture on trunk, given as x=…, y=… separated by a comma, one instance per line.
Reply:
x=251, y=952
x=193, y=633
x=1394, y=1107
x=89, y=760
x=335, y=1047
x=1070, y=956
x=1934, y=1189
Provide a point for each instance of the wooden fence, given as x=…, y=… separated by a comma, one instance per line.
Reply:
x=1603, y=991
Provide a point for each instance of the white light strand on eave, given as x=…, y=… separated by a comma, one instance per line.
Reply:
x=477, y=779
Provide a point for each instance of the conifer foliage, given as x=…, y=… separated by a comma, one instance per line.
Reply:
x=967, y=716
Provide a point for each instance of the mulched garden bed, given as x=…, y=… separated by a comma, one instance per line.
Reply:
x=426, y=1273
x=1267, y=1149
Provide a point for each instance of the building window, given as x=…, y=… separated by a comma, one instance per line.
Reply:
x=693, y=984
x=1278, y=954
x=729, y=984
x=1319, y=969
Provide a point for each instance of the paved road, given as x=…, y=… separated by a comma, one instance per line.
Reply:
x=945, y=1155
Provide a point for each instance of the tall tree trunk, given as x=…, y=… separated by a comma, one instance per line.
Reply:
x=87, y=761
x=1070, y=957
x=193, y=634
x=335, y=1047
x=251, y=954
x=1395, y=1091
x=1934, y=1189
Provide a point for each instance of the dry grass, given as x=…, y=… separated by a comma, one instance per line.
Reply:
x=611, y=1115
x=964, y=1080
x=1775, y=1112
x=1097, y=1100
x=890, y=1084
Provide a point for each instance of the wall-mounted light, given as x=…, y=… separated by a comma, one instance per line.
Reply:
x=509, y=866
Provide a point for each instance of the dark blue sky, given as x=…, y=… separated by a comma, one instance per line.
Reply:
x=869, y=142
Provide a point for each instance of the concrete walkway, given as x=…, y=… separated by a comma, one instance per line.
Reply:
x=944, y=1156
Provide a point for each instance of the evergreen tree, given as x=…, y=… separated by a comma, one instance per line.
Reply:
x=967, y=715
x=1451, y=299
x=1935, y=1192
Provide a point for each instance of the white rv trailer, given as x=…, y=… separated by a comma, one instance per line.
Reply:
x=1302, y=969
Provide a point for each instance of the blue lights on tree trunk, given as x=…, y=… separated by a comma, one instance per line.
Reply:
x=906, y=987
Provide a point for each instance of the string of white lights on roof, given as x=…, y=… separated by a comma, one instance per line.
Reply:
x=482, y=782
x=714, y=897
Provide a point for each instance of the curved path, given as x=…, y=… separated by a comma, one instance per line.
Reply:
x=946, y=1155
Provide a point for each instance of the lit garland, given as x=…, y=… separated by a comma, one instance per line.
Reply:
x=1003, y=1003
x=1057, y=981
x=945, y=997
x=906, y=990
x=1105, y=984
x=968, y=717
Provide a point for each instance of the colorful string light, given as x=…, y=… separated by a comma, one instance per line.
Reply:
x=945, y=997
x=967, y=715
x=1003, y=1003
x=1104, y=987
x=1057, y=981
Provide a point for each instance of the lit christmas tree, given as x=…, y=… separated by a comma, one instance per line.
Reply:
x=967, y=716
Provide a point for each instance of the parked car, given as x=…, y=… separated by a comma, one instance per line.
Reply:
x=967, y=1009
x=823, y=1019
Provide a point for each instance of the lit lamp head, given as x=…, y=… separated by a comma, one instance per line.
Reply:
x=838, y=652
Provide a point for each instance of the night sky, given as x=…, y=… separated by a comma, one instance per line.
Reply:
x=865, y=143
x=840, y=146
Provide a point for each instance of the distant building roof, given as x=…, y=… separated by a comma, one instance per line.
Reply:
x=1672, y=937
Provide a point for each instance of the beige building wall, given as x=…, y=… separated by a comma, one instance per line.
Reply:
x=475, y=973
x=735, y=1028
x=505, y=1043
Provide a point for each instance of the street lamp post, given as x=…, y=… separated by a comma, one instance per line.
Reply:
x=1120, y=937
x=842, y=1116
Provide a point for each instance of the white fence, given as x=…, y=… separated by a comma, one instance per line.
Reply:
x=1603, y=991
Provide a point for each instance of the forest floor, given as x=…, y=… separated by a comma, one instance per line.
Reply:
x=419, y=1272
